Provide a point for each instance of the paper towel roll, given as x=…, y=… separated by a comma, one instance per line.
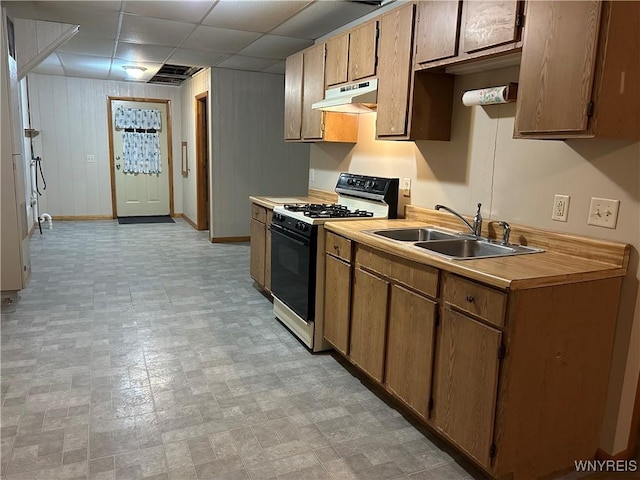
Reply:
x=490, y=96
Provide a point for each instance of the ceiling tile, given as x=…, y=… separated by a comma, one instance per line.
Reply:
x=321, y=18
x=221, y=40
x=49, y=66
x=253, y=15
x=254, y=64
x=76, y=65
x=275, y=46
x=143, y=53
x=277, y=68
x=84, y=43
x=195, y=58
x=93, y=21
x=182, y=11
x=136, y=29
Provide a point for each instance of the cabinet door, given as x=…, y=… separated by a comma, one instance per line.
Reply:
x=267, y=252
x=554, y=93
x=313, y=91
x=293, y=97
x=394, y=73
x=437, y=30
x=369, y=323
x=466, y=378
x=363, y=49
x=337, y=300
x=410, y=348
x=488, y=23
x=337, y=60
x=258, y=238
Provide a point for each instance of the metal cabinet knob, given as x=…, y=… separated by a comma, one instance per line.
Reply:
x=469, y=298
x=118, y=166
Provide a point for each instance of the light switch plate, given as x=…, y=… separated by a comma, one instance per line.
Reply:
x=603, y=212
x=312, y=175
x=91, y=159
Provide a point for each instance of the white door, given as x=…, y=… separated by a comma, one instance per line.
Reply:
x=139, y=194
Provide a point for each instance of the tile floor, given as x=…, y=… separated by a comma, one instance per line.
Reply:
x=145, y=352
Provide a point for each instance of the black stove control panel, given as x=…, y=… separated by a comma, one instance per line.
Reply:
x=374, y=188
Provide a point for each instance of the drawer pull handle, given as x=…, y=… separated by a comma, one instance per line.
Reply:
x=335, y=247
x=469, y=298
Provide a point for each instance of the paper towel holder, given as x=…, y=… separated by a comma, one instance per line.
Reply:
x=491, y=96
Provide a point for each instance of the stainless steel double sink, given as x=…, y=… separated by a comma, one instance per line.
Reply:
x=452, y=245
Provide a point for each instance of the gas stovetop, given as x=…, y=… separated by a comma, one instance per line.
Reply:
x=323, y=210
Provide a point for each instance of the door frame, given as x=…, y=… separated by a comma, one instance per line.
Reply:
x=202, y=167
x=112, y=162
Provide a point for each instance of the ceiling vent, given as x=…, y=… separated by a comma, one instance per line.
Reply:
x=174, y=74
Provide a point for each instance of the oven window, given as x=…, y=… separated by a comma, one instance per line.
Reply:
x=293, y=273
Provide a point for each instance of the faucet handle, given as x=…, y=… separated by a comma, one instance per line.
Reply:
x=506, y=232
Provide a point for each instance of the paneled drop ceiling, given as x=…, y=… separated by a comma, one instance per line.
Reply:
x=252, y=35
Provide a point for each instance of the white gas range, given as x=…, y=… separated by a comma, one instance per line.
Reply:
x=297, y=243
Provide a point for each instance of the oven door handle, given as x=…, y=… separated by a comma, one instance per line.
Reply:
x=289, y=237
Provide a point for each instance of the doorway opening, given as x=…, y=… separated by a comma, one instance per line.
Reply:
x=202, y=161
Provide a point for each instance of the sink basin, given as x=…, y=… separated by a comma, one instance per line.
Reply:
x=414, y=234
x=467, y=248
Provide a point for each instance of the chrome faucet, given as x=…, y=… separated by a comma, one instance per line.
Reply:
x=476, y=228
x=505, y=233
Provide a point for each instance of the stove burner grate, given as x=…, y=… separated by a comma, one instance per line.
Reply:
x=323, y=210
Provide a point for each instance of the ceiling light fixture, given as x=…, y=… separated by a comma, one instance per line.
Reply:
x=134, y=71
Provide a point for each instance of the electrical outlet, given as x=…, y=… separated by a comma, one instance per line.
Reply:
x=312, y=175
x=560, y=208
x=91, y=159
x=406, y=187
x=603, y=212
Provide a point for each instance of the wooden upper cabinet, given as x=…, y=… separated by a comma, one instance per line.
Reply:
x=487, y=24
x=313, y=91
x=409, y=107
x=395, y=72
x=337, y=60
x=437, y=30
x=452, y=31
x=596, y=94
x=293, y=97
x=363, y=51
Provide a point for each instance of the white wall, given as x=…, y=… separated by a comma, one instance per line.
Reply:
x=515, y=180
x=71, y=114
x=199, y=83
x=249, y=155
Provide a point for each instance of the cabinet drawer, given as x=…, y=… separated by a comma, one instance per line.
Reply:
x=258, y=213
x=479, y=300
x=412, y=274
x=338, y=246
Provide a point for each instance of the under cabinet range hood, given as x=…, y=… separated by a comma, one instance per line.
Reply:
x=358, y=97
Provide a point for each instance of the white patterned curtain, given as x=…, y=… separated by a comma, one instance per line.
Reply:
x=141, y=149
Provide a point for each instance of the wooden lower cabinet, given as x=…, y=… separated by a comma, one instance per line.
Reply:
x=369, y=323
x=337, y=303
x=410, y=348
x=514, y=379
x=260, y=259
x=258, y=248
x=465, y=383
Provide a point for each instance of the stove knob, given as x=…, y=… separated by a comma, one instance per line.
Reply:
x=369, y=184
x=350, y=181
x=304, y=227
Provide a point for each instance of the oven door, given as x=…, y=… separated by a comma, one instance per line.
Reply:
x=293, y=270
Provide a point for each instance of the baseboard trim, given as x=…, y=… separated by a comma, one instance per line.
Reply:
x=81, y=217
x=189, y=221
x=229, y=239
